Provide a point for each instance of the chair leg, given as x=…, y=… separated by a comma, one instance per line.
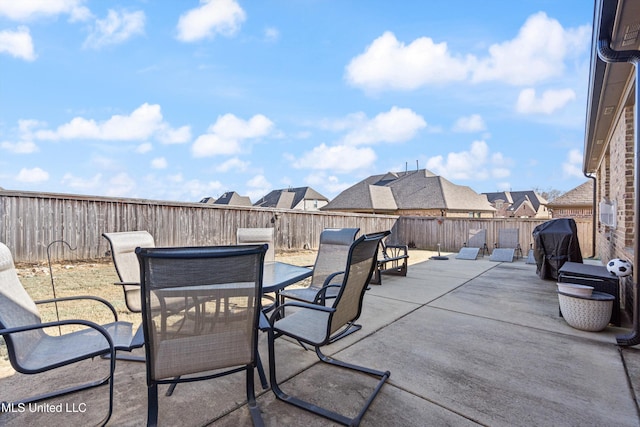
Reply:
x=261, y=374
x=348, y=330
x=334, y=416
x=172, y=387
x=63, y=392
x=256, y=416
x=152, y=405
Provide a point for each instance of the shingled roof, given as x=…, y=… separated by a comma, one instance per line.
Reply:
x=230, y=198
x=518, y=197
x=582, y=195
x=416, y=190
x=289, y=198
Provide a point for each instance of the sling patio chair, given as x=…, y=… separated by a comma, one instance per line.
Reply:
x=314, y=325
x=123, y=245
x=32, y=350
x=224, y=285
x=507, y=246
x=258, y=236
x=332, y=255
x=393, y=259
x=476, y=242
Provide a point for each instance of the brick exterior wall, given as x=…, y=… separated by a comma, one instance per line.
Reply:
x=615, y=181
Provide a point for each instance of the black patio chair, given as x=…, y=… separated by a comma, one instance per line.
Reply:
x=314, y=324
x=32, y=350
x=332, y=255
x=221, y=288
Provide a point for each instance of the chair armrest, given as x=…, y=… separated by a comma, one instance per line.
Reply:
x=399, y=252
x=87, y=323
x=330, y=277
x=81, y=297
x=263, y=322
x=277, y=312
x=321, y=295
x=127, y=283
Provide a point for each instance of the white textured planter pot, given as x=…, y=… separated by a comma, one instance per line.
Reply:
x=586, y=313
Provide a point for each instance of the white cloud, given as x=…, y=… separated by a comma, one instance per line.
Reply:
x=197, y=189
x=120, y=185
x=572, y=167
x=537, y=53
x=116, y=28
x=91, y=184
x=144, y=148
x=390, y=64
x=17, y=43
x=258, y=181
x=32, y=175
x=159, y=163
x=329, y=184
x=338, y=158
x=210, y=18
x=143, y=123
x=229, y=126
x=477, y=163
x=472, y=123
x=22, y=10
x=504, y=186
x=209, y=145
x=166, y=135
x=226, y=135
x=234, y=164
x=20, y=147
x=271, y=34
x=396, y=125
x=550, y=101
x=258, y=187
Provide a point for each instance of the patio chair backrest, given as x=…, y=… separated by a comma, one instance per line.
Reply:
x=123, y=245
x=16, y=309
x=508, y=238
x=217, y=328
x=361, y=261
x=258, y=236
x=477, y=238
x=333, y=251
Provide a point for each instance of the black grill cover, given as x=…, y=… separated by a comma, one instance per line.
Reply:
x=556, y=242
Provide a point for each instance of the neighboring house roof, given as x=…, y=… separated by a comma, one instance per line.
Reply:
x=520, y=205
x=518, y=197
x=420, y=189
x=582, y=195
x=289, y=198
x=230, y=198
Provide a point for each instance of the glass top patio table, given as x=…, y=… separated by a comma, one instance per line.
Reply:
x=278, y=275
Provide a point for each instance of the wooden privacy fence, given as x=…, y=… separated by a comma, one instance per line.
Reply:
x=30, y=221
x=452, y=233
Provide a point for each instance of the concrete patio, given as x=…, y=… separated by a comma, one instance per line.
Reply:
x=467, y=343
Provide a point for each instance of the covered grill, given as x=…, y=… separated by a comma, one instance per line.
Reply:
x=556, y=242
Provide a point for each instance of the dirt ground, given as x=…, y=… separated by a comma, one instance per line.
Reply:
x=96, y=278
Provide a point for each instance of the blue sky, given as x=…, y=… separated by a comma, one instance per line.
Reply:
x=179, y=100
